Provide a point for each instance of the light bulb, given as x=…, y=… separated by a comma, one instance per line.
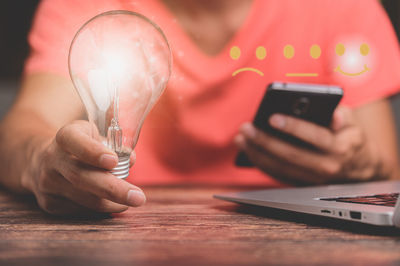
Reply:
x=119, y=62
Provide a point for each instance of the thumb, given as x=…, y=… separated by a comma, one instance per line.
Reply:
x=73, y=139
x=342, y=118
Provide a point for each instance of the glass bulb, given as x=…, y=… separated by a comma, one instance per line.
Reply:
x=120, y=63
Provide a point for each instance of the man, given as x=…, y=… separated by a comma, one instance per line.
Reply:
x=190, y=135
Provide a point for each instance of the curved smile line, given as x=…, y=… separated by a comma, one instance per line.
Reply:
x=338, y=69
x=247, y=69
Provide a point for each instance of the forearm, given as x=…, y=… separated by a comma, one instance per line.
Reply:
x=45, y=103
x=23, y=136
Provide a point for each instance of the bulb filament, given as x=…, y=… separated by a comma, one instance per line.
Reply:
x=114, y=134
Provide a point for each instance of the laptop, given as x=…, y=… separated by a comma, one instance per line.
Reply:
x=371, y=202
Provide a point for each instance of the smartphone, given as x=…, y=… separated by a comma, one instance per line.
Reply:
x=312, y=102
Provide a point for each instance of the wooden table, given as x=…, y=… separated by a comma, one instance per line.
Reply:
x=184, y=225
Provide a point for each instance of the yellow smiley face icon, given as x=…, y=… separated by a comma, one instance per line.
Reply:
x=352, y=59
x=235, y=53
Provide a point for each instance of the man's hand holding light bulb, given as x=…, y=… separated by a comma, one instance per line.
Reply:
x=71, y=176
x=82, y=169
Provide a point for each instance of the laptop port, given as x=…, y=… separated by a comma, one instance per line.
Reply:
x=326, y=211
x=355, y=215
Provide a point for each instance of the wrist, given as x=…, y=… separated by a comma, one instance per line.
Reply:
x=36, y=149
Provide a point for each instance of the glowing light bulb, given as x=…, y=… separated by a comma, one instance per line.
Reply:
x=120, y=63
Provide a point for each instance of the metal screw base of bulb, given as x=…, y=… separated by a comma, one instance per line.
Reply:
x=122, y=169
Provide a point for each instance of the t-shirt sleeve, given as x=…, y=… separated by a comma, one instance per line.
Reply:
x=365, y=53
x=55, y=24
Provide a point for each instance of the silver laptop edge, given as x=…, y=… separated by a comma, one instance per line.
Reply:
x=307, y=200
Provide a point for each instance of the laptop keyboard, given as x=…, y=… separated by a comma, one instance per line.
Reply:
x=388, y=200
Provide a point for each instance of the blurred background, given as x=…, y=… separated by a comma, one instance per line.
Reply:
x=15, y=21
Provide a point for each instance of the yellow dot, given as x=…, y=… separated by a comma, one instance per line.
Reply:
x=288, y=51
x=315, y=51
x=235, y=53
x=261, y=53
x=340, y=49
x=364, y=49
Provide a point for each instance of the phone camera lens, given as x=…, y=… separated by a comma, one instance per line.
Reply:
x=300, y=106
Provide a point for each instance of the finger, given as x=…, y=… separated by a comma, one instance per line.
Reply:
x=60, y=206
x=57, y=185
x=349, y=141
x=289, y=153
x=277, y=168
x=101, y=183
x=318, y=136
x=74, y=139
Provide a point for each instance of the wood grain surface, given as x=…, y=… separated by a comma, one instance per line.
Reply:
x=184, y=225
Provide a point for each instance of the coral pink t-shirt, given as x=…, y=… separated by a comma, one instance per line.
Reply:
x=188, y=137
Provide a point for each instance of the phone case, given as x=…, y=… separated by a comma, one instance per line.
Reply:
x=311, y=102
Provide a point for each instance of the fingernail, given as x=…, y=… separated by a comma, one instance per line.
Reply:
x=240, y=141
x=108, y=161
x=136, y=198
x=133, y=156
x=248, y=130
x=277, y=121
